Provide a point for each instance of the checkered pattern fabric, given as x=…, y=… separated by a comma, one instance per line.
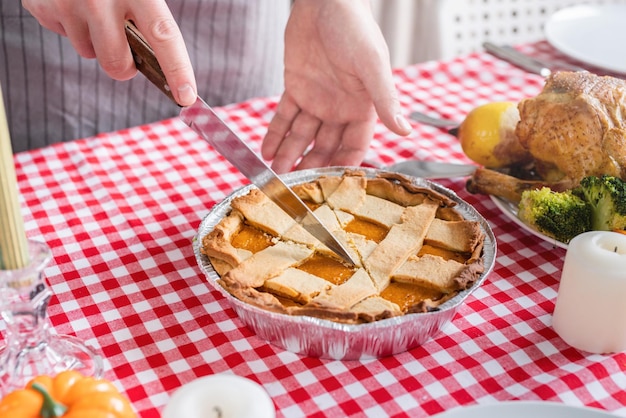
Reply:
x=120, y=211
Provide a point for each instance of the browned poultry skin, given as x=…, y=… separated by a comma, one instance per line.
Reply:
x=486, y=181
x=576, y=127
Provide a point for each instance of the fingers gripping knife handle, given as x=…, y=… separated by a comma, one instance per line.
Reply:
x=145, y=60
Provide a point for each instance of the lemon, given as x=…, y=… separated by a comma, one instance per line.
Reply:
x=487, y=135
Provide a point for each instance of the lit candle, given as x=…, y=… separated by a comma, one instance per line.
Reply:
x=590, y=310
x=220, y=396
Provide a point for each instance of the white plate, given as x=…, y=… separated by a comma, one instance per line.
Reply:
x=524, y=409
x=591, y=34
x=510, y=210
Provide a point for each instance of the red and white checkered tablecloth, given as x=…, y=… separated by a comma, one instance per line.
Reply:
x=120, y=211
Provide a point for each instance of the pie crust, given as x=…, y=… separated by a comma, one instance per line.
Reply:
x=414, y=250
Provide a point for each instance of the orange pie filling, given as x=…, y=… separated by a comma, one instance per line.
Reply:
x=414, y=250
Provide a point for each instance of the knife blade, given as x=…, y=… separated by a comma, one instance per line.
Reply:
x=208, y=125
x=432, y=169
x=533, y=65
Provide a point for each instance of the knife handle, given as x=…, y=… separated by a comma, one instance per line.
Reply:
x=145, y=60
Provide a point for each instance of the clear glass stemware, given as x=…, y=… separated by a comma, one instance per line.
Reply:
x=31, y=348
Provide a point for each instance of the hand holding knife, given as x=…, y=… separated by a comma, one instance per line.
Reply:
x=202, y=119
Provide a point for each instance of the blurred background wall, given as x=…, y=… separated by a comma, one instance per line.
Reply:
x=422, y=30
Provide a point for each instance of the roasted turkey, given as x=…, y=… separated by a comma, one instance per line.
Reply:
x=576, y=127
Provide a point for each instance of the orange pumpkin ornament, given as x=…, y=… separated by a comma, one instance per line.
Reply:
x=67, y=395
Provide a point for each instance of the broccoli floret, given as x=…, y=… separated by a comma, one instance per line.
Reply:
x=607, y=197
x=560, y=215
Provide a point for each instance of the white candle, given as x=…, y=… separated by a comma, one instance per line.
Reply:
x=220, y=396
x=590, y=310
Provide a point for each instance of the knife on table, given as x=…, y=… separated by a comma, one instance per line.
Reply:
x=530, y=64
x=205, y=122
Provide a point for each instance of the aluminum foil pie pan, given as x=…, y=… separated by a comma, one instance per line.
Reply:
x=322, y=338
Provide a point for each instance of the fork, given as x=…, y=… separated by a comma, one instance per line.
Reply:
x=438, y=122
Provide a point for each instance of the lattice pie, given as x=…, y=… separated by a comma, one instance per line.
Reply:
x=415, y=250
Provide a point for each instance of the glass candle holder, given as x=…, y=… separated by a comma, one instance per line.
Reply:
x=31, y=348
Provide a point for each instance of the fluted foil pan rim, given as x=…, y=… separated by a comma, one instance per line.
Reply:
x=322, y=338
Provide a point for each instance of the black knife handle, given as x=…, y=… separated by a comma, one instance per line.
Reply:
x=145, y=60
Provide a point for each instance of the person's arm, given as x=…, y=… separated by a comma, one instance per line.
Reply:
x=338, y=78
x=96, y=30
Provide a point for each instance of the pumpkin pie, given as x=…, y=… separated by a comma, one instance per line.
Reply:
x=414, y=250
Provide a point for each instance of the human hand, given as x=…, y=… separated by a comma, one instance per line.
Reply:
x=96, y=30
x=337, y=79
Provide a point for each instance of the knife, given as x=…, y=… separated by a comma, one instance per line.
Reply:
x=206, y=123
x=533, y=65
x=432, y=169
